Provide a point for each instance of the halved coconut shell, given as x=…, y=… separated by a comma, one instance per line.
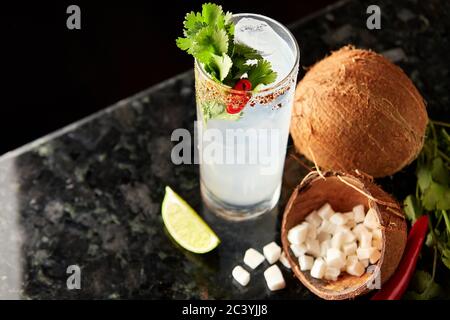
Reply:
x=343, y=192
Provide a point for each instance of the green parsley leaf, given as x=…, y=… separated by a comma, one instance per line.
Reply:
x=261, y=73
x=222, y=64
x=245, y=52
x=423, y=287
x=185, y=44
x=412, y=208
x=192, y=23
x=211, y=109
x=209, y=42
x=216, y=110
x=209, y=37
x=446, y=256
x=439, y=172
x=436, y=197
x=212, y=13
x=423, y=177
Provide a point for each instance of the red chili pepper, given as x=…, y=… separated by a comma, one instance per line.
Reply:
x=243, y=85
x=396, y=286
x=238, y=101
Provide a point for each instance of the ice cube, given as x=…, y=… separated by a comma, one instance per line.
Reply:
x=258, y=35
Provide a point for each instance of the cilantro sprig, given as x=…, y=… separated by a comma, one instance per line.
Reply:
x=209, y=37
x=432, y=197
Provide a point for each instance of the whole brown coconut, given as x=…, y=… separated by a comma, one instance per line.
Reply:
x=356, y=110
x=343, y=192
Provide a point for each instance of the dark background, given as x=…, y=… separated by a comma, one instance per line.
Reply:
x=53, y=76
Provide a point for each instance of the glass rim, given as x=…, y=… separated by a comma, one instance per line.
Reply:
x=273, y=86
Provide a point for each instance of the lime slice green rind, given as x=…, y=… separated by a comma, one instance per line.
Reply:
x=185, y=226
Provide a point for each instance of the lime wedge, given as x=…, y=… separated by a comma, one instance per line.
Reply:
x=185, y=226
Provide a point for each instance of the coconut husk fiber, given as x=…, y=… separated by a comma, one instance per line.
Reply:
x=356, y=110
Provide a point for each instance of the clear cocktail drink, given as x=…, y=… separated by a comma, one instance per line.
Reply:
x=242, y=155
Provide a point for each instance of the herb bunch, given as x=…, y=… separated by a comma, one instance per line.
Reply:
x=432, y=197
x=209, y=37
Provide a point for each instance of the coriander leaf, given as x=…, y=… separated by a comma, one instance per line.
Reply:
x=222, y=64
x=227, y=18
x=446, y=136
x=423, y=177
x=439, y=172
x=243, y=57
x=209, y=37
x=208, y=42
x=211, y=13
x=423, y=287
x=193, y=22
x=245, y=52
x=412, y=208
x=229, y=28
x=436, y=196
x=261, y=73
x=429, y=242
x=211, y=109
x=446, y=257
x=185, y=44
x=204, y=33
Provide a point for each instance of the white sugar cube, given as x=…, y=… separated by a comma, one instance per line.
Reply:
x=274, y=278
x=326, y=227
x=312, y=232
x=318, y=269
x=241, y=275
x=350, y=224
x=348, y=234
x=338, y=240
x=253, y=258
x=358, y=213
x=355, y=268
x=349, y=248
x=272, y=252
x=314, y=219
x=332, y=273
x=349, y=216
x=377, y=234
x=297, y=235
x=305, y=262
x=313, y=247
x=323, y=236
x=298, y=250
x=371, y=219
x=374, y=256
x=325, y=212
x=359, y=229
x=324, y=245
x=365, y=262
x=343, y=228
x=335, y=258
x=352, y=258
x=364, y=253
x=338, y=219
x=377, y=244
x=365, y=240
x=284, y=260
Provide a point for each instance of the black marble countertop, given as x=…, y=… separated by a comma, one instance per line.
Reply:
x=90, y=194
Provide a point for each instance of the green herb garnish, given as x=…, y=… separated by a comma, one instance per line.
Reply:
x=209, y=37
x=432, y=197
